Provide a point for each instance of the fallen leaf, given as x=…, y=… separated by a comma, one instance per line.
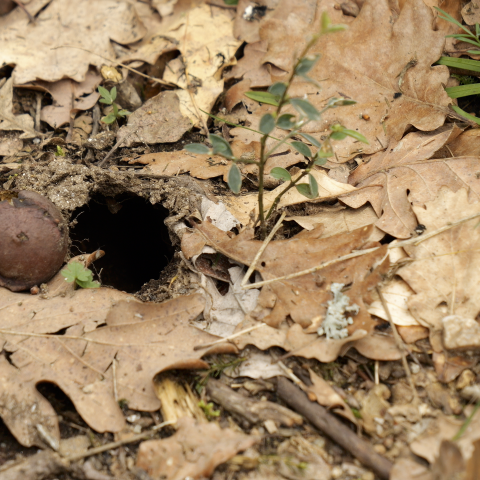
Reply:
x=175, y=163
x=194, y=451
x=339, y=219
x=45, y=49
x=445, y=267
x=9, y=121
x=100, y=325
x=392, y=90
x=68, y=97
x=396, y=294
x=471, y=12
x=206, y=42
x=403, y=178
x=326, y=396
x=158, y=120
x=304, y=298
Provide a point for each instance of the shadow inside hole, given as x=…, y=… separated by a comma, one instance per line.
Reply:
x=131, y=232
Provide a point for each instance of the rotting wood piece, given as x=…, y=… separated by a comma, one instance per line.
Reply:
x=334, y=428
x=254, y=411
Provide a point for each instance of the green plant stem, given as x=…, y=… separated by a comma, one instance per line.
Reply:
x=287, y=188
x=465, y=424
x=261, y=169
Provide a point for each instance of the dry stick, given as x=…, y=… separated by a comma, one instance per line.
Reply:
x=400, y=345
x=119, y=143
x=262, y=249
x=319, y=417
x=412, y=241
x=231, y=337
x=158, y=80
x=119, y=443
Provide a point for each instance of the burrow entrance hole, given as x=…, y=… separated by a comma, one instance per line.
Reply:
x=132, y=233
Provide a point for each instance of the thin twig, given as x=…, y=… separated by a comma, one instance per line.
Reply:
x=262, y=249
x=119, y=143
x=411, y=241
x=231, y=337
x=400, y=345
x=119, y=443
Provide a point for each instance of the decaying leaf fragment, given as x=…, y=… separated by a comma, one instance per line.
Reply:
x=444, y=273
x=193, y=451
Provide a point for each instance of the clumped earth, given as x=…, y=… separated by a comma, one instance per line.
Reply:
x=185, y=362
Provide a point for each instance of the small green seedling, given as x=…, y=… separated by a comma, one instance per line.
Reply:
x=209, y=409
x=108, y=97
x=76, y=272
x=60, y=151
x=313, y=151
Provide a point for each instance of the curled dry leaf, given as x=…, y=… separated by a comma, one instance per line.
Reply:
x=100, y=325
x=405, y=175
x=445, y=268
x=37, y=54
x=194, y=451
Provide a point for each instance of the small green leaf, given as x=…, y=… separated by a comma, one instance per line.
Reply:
x=306, y=64
x=115, y=109
x=76, y=272
x=102, y=100
x=220, y=145
x=197, y=148
x=465, y=114
x=305, y=108
x=355, y=135
x=110, y=118
x=105, y=94
x=302, y=148
x=463, y=90
x=267, y=123
x=234, y=179
x=463, y=63
x=263, y=97
x=60, y=152
x=313, y=185
x=320, y=161
x=338, y=135
x=87, y=284
x=124, y=113
x=327, y=27
x=281, y=174
x=277, y=89
x=113, y=93
x=311, y=139
x=285, y=121
x=304, y=189
x=230, y=2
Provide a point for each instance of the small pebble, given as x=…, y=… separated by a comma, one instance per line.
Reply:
x=379, y=448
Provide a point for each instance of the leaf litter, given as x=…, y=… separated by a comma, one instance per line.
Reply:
x=417, y=179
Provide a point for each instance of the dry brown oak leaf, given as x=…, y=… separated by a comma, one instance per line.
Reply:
x=407, y=174
x=88, y=24
x=445, y=272
x=382, y=61
x=100, y=325
x=194, y=451
x=304, y=298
